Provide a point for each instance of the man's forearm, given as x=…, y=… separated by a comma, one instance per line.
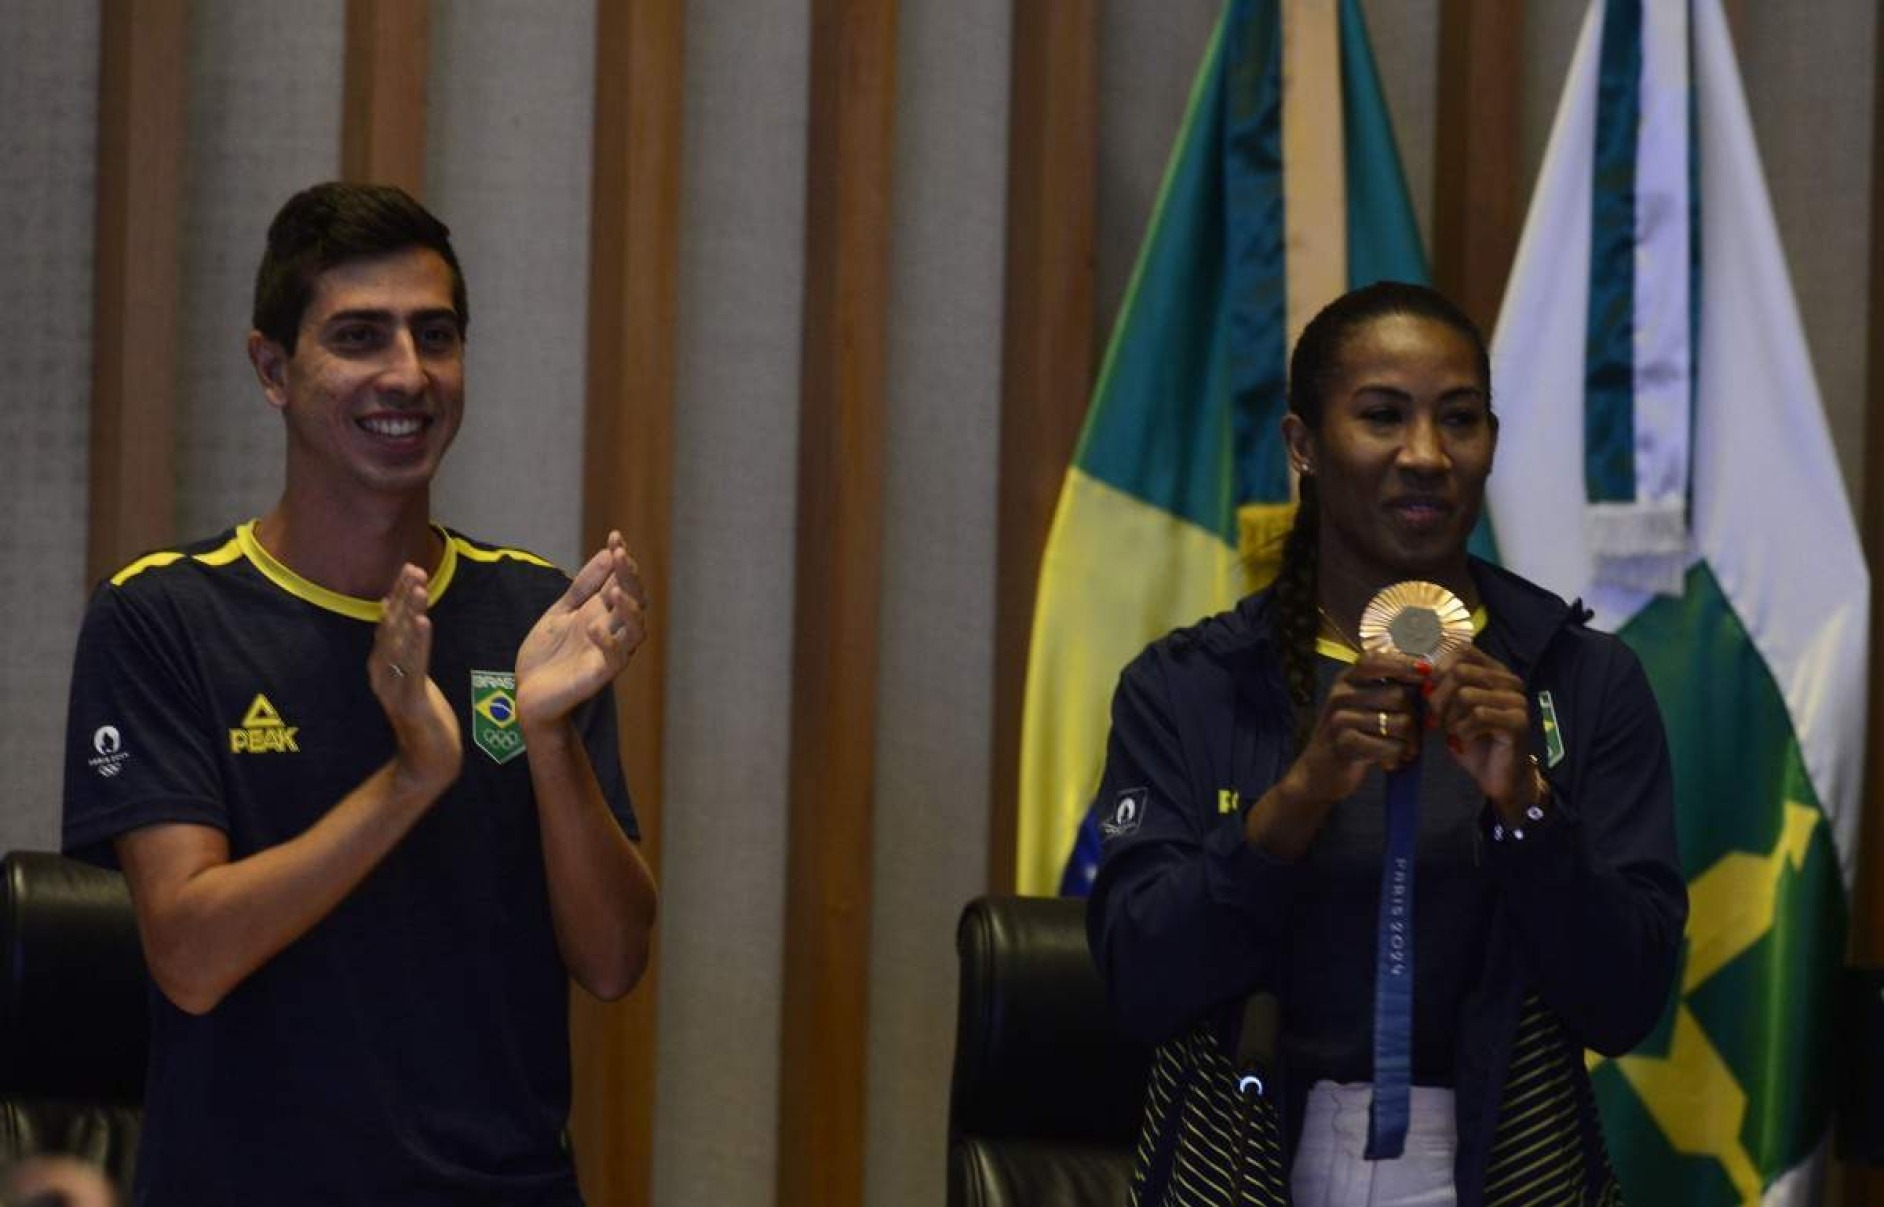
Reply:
x=208, y=923
x=602, y=895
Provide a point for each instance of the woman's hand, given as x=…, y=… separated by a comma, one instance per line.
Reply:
x=1480, y=706
x=1369, y=720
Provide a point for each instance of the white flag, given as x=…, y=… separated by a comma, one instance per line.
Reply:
x=1758, y=661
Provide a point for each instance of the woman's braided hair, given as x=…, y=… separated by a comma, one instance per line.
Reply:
x=1313, y=368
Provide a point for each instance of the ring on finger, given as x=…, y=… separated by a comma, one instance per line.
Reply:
x=1381, y=720
x=398, y=672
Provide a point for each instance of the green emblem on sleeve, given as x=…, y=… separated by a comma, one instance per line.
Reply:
x=494, y=714
x=1553, y=735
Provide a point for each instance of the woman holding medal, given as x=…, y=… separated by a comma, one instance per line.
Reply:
x=1391, y=843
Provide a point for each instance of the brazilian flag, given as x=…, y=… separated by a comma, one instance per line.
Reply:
x=1284, y=190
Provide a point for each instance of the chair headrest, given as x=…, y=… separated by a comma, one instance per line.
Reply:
x=74, y=1017
x=1037, y=1051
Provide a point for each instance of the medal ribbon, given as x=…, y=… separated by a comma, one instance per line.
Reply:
x=1388, y=1114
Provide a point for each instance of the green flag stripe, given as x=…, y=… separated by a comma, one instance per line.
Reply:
x=1609, y=359
x=1156, y=429
x=1258, y=312
x=1728, y=728
x=1383, y=235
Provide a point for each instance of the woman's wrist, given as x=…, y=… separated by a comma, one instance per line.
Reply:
x=1285, y=819
x=1528, y=806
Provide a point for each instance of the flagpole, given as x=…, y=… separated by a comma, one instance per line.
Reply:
x=1047, y=353
x=1477, y=204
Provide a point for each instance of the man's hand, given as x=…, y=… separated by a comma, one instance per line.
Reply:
x=584, y=640
x=430, y=748
x=602, y=895
x=208, y=922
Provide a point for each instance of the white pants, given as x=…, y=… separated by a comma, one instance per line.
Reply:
x=1330, y=1170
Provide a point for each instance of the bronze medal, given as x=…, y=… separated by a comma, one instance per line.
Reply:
x=1416, y=619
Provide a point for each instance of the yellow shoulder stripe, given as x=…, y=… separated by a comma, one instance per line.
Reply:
x=243, y=544
x=149, y=561
x=468, y=550
x=222, y=555
x=230, y=552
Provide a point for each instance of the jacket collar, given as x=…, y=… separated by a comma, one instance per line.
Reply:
x=1524, y=616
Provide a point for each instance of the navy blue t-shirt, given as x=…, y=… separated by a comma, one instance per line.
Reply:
x=412, y=1048
x=1328, y=1019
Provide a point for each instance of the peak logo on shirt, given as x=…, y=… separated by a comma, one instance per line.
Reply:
x=263, y=731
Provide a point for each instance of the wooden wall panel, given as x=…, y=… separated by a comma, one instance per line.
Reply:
x=628, y=484
x=839, y=583
x=382, y=127
x=141, y=135
x=1863, y=1186
x=1478, y=202
x=1047, y=354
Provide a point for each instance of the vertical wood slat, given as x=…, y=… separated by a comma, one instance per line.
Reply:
x=822, y=1085
x=382, y=127
x=627, y=484
x=1863, y=1186
x=1047, y=346
x=1477, y=203
x=137, y=269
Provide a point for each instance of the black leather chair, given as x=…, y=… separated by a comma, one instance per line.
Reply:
x=1860, y=1077
x=74, y=1021
x=1047, y=1095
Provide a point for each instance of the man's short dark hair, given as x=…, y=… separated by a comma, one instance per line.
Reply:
x=331, y=224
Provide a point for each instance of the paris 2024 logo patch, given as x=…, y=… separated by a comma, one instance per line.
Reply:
x=1126, y=814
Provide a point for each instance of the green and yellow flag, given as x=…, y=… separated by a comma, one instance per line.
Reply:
x=1284, y=190
x=1650, y=323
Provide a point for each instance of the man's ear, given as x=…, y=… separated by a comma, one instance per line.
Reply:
x=271, y=368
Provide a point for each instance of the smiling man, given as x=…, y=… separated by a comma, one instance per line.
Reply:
x=360, y=772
